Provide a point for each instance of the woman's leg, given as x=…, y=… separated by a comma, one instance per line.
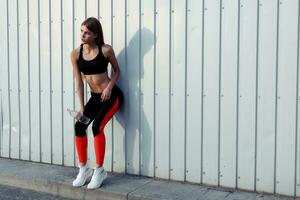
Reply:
x=105, y=113
x=90, y=110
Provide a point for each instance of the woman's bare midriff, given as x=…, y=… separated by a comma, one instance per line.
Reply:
x=97, y=82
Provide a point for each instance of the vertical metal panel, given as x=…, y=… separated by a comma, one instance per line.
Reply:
x=7, y=132
x=76, y=32
x=92, y=8
x=162, y=90
x=6, y=89
x=39, y=79
x=13, y=79
x=50, y=89
x=116, y=153
x=45, y=82
x=178, y=92
x=24, y=81
x=133, y=122
x=4, y=83
x=18, y=78
x=194, y=82
x=286, y=104
x=74, y=86
x=105, y=17
x=147, y=87
x=211, y=88
x=34, y=90
x=297, y=138
x=228, y=80
x=67, y=78
x=62, y=83
x=265, y=95
x=210, y=91
x=56, y=82
x=246, y=94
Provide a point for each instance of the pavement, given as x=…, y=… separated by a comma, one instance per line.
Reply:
x=57, y=180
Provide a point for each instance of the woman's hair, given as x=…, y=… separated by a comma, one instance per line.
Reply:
x=94, y=25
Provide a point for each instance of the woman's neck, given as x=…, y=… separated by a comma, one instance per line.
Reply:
x=90, y=47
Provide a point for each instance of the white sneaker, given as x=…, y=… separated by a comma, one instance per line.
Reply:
x=97, y=179
x=84, y=173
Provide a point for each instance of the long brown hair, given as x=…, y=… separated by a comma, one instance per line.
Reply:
x=94, y=25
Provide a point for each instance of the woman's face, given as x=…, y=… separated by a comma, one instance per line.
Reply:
x=87, y=36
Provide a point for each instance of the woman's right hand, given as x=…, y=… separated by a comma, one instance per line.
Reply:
x=81, y=110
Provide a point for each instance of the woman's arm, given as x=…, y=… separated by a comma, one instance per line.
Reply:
x=114, y=63
x=79, y=82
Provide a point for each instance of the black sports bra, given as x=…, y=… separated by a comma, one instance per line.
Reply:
x=97, y=65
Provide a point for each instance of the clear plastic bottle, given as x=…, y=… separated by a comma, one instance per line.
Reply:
x=78, y=116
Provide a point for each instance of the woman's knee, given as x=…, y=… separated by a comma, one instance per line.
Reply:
x=80, y=129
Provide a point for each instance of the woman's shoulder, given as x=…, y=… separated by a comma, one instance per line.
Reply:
x=107, y=49
x=75, y=52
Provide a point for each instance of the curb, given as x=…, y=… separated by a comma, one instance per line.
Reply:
x=60, y=189
x=57, y=180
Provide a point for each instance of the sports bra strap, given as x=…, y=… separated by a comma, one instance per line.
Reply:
x=80, y=52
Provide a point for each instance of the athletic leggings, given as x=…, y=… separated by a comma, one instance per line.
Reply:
x=101, y=113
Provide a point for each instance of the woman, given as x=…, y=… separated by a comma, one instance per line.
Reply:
x=91, y=58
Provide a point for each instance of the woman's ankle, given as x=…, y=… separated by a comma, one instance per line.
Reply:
x=99, y=167
x=82, y=164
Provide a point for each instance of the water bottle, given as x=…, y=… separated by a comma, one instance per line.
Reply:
x=78, y=116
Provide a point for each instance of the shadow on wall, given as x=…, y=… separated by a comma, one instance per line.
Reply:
x=128, y=115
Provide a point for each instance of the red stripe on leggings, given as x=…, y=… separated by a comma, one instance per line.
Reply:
x=109, y=114
x=99, y=140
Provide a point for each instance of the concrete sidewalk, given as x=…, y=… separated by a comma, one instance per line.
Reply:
x=57, y=180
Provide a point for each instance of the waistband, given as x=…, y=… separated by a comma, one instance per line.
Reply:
x=99, y=94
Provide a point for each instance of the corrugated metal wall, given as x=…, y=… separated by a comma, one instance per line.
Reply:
x=211, y=88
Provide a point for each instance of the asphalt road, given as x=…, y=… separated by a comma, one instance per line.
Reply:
x=13, y=193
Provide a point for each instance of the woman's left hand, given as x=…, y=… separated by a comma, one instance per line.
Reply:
x=105, y=94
